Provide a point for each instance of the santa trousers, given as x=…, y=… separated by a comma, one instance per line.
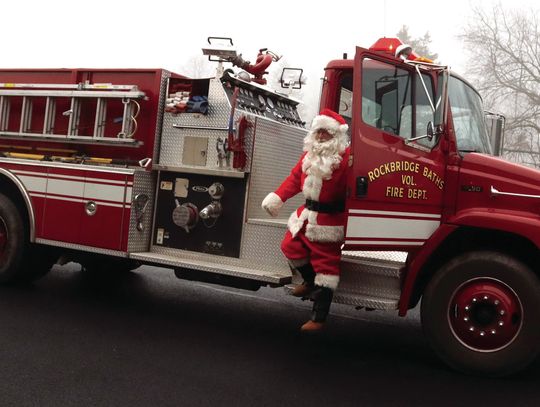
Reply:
x=324, y=256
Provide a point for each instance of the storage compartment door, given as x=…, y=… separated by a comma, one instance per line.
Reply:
x=102, y=216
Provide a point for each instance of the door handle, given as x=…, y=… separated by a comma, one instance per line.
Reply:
x=90, y=208
x=361, y=186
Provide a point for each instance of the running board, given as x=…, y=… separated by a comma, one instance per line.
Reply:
x=368, y=279
x=217, y=265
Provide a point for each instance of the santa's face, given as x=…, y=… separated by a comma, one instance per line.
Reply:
x=323, y=135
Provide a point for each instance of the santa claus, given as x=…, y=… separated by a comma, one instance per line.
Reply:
x=315, y=233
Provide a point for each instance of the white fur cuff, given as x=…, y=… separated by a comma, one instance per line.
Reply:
x=321, y=233
x=327, y=280
x=272, y=204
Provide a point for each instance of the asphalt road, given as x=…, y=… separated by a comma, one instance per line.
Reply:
x=148, y=339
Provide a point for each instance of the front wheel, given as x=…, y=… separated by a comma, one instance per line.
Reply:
x=481, y=313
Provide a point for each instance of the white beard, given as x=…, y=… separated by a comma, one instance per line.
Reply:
x=322, y=158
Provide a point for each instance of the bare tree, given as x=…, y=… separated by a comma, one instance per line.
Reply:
x=504, y=47
x=198, y=67
x=420, y=45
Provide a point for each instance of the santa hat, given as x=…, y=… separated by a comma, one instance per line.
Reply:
x=329, y=120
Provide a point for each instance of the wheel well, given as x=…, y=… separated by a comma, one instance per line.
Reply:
x=468, y=239
x=9, y=189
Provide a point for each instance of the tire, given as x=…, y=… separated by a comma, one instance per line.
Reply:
x=12, y=240
x=20, y=262
x=481, y=314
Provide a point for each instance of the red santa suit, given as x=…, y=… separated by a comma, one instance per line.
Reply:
x=316, y=228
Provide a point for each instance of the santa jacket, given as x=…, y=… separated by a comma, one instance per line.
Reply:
x=321, y=227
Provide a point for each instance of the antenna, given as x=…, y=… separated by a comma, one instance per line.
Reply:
x=384, y=18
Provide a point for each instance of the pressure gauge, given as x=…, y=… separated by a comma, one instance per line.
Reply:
x=269, y=103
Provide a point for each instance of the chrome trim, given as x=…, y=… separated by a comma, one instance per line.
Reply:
x=82, y=247
x=60, y=138
x=495, y=192
x=180, y=126
x=411, y=143
x=200, y=170
x=26, y=197
x=80, y=167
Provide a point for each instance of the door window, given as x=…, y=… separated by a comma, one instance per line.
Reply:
x=388, y=93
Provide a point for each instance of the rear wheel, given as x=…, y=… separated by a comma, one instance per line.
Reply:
x=19, y=261
x=481, y=313
x=12, y=240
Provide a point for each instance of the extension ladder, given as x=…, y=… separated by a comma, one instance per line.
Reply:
x=102, y=93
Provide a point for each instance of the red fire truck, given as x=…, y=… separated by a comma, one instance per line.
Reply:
x=117, y=168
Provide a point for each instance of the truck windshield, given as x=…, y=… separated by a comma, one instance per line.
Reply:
x=468, y=117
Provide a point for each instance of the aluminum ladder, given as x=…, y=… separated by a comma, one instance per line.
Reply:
x=128, y=94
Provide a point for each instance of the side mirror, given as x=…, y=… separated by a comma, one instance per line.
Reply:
x=430, y=133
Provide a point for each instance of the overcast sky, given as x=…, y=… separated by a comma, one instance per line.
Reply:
x=166, y=34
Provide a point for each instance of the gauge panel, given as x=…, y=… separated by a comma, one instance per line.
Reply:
x=263, y=102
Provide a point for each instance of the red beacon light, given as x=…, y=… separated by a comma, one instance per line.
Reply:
x=396, y=48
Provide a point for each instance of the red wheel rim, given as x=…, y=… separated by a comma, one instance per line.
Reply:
x=485, y=314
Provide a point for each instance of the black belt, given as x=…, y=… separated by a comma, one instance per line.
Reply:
x=332, y=207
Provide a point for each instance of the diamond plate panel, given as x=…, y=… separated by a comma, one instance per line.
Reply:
x=261, y=244
x=277, y=149
x=172, y=144
x=366, y=301
x=161, y=108
x=219, y=110
x=83, y=248
x=391, y=257
x=373, y=277
x=144, y=182
x=215, y=264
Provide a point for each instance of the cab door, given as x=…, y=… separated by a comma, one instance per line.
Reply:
x=396, y=183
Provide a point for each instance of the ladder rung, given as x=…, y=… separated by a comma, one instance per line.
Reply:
x=74, y=116
x=50, y=113
x=101, y=115
x=4, y=112
x=26, y=115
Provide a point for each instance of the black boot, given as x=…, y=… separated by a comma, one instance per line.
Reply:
x=307, y=273
x=322, y=299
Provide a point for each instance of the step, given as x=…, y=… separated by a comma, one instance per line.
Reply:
x=358, y=300
x=216, y=264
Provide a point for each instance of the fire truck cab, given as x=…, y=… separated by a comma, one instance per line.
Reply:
x=424, y=182
x=117, y=168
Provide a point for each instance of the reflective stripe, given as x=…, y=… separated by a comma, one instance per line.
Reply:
x=391, y=228
x=392, y=213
